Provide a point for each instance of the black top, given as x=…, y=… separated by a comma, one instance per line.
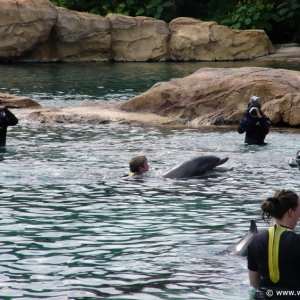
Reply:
x=289, y=262
x=8, y=119
x=256, y=128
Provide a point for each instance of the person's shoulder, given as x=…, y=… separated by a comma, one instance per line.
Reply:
x=260, y=236
x=295, y=236
x=128, y=175
x=262, y=233
x=133, y=175
x=291, y=240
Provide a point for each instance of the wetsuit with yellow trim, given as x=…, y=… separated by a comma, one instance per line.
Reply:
x=274, y=253
x=131, y=174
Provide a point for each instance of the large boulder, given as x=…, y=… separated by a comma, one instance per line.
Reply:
x=37, y=31
x=192, y=39
x=24, y=24
x=75, y=36
x=138, y=38
x=218, y=96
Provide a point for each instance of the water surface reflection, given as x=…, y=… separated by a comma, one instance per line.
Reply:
x=72, y=229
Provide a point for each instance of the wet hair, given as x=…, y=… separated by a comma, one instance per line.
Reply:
x=137, y=162
x=279, y=204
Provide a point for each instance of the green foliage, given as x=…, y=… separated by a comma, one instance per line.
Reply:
x=238, y=14
x=159, y=9
x=252, y=14
x=61, y=3
x=290, y=12
x=217, y=10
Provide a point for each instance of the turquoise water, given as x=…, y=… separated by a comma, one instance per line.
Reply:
x=71, y=228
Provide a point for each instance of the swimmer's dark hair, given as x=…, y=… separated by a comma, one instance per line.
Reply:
x=137, y=162
x=279, y=204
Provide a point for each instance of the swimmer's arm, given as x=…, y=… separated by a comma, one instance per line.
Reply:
x=254, y=278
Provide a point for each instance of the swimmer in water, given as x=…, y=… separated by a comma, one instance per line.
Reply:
x=138, y=165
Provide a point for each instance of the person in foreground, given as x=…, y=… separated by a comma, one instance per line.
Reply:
x=7, y=118
x=273, y=254
x=254, y=123
x=138, y=165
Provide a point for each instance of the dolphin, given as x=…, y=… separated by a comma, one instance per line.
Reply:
x=241, y=247
x=195, y=167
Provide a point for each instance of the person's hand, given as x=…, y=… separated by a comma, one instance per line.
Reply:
x=2, y=107
x=258, y=114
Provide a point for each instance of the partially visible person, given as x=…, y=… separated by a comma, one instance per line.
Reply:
x=7, y=118
x=138, y=165
x=295, y=162
x=254, y=123
x=273, y=254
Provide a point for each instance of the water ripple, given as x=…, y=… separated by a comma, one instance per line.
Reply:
x=71, y=228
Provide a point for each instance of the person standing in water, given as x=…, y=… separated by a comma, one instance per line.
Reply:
x=7, y=118
x=254, y=123
x=273, y=254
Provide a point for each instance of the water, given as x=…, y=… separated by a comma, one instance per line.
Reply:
x=71, y=228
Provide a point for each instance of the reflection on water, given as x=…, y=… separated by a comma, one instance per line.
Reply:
x=71, y=228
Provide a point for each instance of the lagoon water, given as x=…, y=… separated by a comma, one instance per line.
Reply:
x=71, y=228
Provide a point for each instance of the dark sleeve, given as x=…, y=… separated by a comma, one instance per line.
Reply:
x=252, y=265
x=11, y=119
x=247, y=122
x=265, y=124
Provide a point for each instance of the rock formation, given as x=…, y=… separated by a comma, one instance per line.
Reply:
x=75, y=36
x=218, y=96
x=37, y=31
x=138, y=38
x=193, y=39
x=24, y=25
x=209, y=96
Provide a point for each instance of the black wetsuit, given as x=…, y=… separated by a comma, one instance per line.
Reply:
x=288, y=260
x=9, y=119
x=256, y=128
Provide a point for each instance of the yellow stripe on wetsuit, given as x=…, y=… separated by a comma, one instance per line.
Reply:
x=132, y=174
x=273, y=251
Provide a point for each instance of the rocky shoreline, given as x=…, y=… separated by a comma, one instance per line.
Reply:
x=284, y=53
x=208, y=97
x=37, y=31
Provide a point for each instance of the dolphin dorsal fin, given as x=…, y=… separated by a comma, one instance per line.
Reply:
x=253, y=227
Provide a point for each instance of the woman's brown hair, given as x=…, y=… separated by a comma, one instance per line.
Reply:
x=279, y=204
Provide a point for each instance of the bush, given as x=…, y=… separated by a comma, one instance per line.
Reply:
x=251, y=14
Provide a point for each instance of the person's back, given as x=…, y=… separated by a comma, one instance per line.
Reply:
x=273, y=254
x=288, y=260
